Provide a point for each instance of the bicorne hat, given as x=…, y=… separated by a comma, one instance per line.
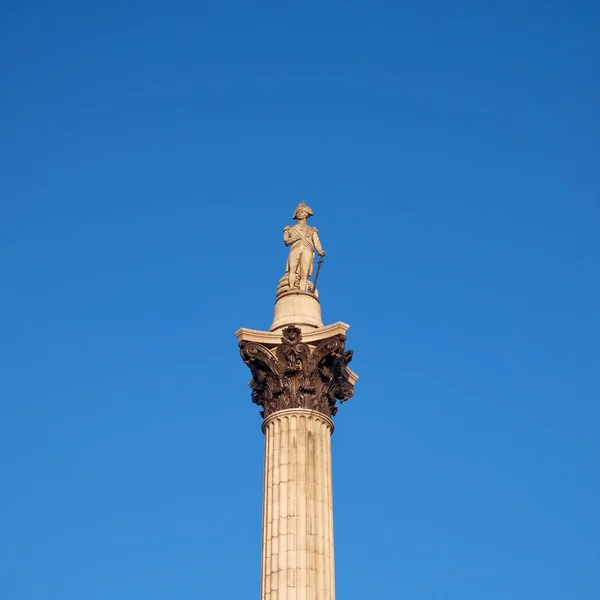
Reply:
x=308, y=209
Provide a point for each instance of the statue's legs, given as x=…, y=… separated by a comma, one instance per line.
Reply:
x=305, y=259
x=294, y=260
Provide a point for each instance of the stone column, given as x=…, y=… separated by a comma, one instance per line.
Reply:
x=297, y=556
x=297, y=378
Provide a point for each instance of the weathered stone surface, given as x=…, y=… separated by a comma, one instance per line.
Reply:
x=297, y=308
x=297, y=548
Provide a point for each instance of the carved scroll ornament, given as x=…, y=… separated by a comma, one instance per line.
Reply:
x=296, y=375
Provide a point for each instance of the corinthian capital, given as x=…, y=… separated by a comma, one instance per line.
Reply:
x=294, y=374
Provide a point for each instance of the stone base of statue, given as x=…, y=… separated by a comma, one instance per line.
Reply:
x=302, y=309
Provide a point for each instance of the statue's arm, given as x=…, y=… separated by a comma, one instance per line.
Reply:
x=288, y=235
x=317, y=242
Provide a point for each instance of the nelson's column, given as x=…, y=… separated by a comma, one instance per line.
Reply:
x=299, y=370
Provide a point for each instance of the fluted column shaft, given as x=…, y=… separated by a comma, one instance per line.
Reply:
x=297, y=548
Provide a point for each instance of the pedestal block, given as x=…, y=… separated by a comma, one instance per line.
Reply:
x=302, y=309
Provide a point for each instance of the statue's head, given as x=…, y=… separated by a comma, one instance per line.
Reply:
x=303, y=211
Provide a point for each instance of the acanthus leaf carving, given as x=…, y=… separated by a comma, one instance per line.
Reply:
x=295, y=375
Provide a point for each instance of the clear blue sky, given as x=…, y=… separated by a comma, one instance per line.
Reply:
x=150, y=154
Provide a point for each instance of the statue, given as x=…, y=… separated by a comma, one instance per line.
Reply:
x=304, y=240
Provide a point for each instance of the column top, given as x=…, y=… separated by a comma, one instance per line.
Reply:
x=273, y=338
x=296, y=370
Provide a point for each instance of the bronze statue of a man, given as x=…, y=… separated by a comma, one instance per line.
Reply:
x=304, y=240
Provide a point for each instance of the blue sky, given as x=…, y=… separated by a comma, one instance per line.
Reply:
x=150, y=155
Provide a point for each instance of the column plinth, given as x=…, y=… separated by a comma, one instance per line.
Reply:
x=302, y=309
